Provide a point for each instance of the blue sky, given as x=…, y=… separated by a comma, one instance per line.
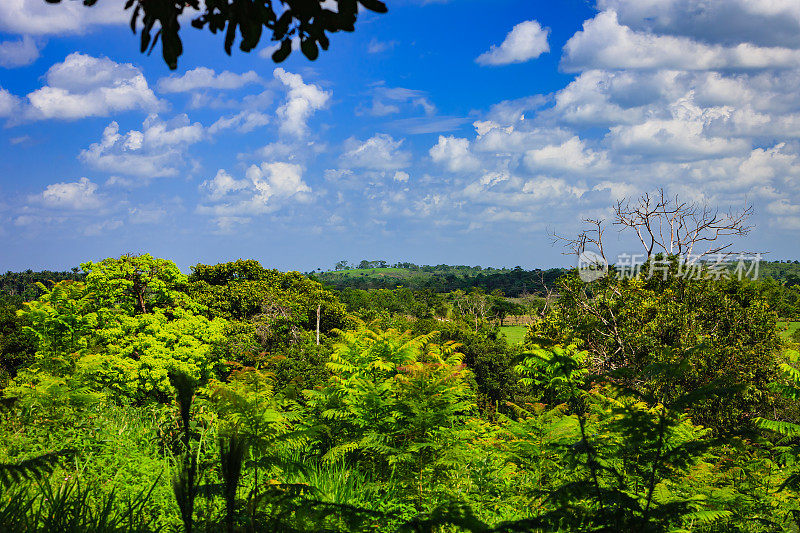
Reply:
x=460, y=132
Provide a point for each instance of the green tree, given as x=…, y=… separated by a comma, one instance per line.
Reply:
x=632, y=322
x=136, y=284
x=124, y=330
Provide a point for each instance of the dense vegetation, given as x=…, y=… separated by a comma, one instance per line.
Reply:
x=238, y=398
x=439, y=278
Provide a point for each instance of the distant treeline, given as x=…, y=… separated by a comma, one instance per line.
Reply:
x=379, y=274
x=443, y=278
x=23, y=284
x=787, y=272
x=463, y=270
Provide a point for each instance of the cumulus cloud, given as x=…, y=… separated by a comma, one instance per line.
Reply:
x=8, y=103
x=526, y=41
x=571, y=155
x=379, y=152
x=659, y=99
x=682, y=136
x=79, y=195
x=265, y=188
x=607, y=44
x=40, y=18
x=223, y=184
x=18, y=53
x=764, y=23
x=206, y=78
x=302, y=100
x=157, y=150
x=454, y=154
x=85, y=86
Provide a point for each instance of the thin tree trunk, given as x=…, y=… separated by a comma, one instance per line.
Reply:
x=319, y=308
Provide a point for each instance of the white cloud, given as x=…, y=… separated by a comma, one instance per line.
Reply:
x=146, y=214
x=763, y=22
x=526, y=41
x=103, y=226
x=337, y=174
x=32, y=17
x=266, y=187
x=454, y=153
x=571, y=155
x=682, y=136
x=401, y=177
x=223, y=184
x=509, y=112
x=544, y=188
x=284, y=179
x=597, y=97
x=387, y=101
x=767, y=166
x=85, y=86
x=783, y=207
x=8, y=103
x=379, y=152
x=80, y=195
x=605, y=43
x=206, y=78
x=377, y=47
x=245, y=121
x=156, y=151
x=301, y=102
x=18, y=53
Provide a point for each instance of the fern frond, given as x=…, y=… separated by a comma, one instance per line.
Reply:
x=786, y=429
x=29, y=469
x=707, y=516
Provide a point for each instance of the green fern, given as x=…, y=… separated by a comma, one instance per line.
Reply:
x=34, y=468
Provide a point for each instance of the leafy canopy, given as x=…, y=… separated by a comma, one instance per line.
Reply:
x=308, y=21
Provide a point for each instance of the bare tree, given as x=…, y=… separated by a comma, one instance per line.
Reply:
x=591, y=237
x=665, y=224
x=474, y=304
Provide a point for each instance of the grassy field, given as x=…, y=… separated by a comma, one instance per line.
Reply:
x=514, y=334
x=791, y=327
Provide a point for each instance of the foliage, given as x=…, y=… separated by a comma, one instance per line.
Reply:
x=244, y=290
x=123, y=330
x=626, y=453
x=395, y=402
x=190, y=403
x=24, y=284
x=306, y=20
x=488, y=357
x=17, y=345
x=513, y=282
x=135, y=284
x=634, y=322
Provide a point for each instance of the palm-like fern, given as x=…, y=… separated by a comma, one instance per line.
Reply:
x=34, y=468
